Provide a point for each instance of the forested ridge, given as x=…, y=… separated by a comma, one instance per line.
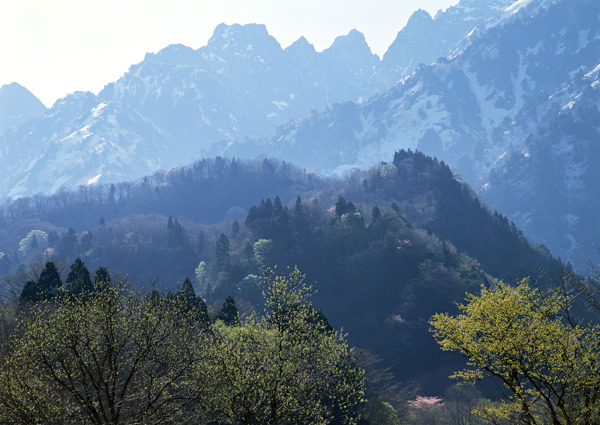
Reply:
x=388, y=248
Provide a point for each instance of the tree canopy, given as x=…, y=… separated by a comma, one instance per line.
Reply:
x=114, y=356
x=533, y=343
x=284, y=367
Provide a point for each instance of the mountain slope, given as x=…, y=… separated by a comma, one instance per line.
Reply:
x=96, y=145
x=424, y=39
x=17, y=106
x=532, y=65
x=476, y=105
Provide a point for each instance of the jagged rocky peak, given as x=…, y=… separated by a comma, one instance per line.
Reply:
x=17, y=106
x=420, y=17
x=352, y=43
x=423, y=39
x=174, y=54
x=237, y=38
x=300, y=46
x=77, y=102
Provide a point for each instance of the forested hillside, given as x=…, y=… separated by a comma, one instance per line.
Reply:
x=388, y=247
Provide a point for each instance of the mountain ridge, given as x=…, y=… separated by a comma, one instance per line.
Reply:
x=198, y=97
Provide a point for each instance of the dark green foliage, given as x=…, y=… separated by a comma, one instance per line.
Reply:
x=111, y=193
x=30, y=292
x=222, y=252
x=102, y=277
x=78, y=279
x=269, y=219
x=201, y=242
x=342, y=207
x=235, y=227
x=379, y=274
x=45, y=288
x=229, y=313
x=175, y=234
x=86, y=241
x=193, y=306
x=375, y=214
x=66, y=246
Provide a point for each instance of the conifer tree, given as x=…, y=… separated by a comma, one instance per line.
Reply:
x=235, y=227
x=68, y=243
x=222, y=252
x=375, y=214
x=175, y=234
x=229, y=313
x=45, y=288
x=192, y=305
x=78, y=279
x=102, y=277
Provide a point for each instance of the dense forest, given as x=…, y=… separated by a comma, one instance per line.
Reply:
x=206, y=195
x=387, y=249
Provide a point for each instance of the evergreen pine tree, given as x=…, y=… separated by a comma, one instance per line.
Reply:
x=222, y=252
x=45, y=288
x=298, y=210
x=78, y=279
x=67, y=244
x=235, y=228
x=102, y=277
x=175, y=235
x=375, y=214
x=29, y=292
x=340, y=206
x=111, y=193
x=229, y=313
x=193, y=304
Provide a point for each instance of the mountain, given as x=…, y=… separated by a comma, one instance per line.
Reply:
x=17, y=106
x=167, y=109
x=471, y=109
x=551, y=188
x=79, y=142
x=535, y=64
x=424, y=39
x=181, y=104
x=241, y=84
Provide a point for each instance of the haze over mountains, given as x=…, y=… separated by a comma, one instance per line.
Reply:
x=513, y=106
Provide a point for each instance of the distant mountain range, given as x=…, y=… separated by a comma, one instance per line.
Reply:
x=168, y=109
x=512, y=104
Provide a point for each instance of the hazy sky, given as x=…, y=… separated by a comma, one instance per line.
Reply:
x=54, y=47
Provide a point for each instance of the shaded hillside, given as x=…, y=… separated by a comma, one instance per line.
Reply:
x=422, y=189
x=388, y=247
x=207, y=191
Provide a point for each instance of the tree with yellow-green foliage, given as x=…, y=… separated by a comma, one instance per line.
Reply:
x=287, y=366
x=104, y=357
x=532, y=342
x=113, y=356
